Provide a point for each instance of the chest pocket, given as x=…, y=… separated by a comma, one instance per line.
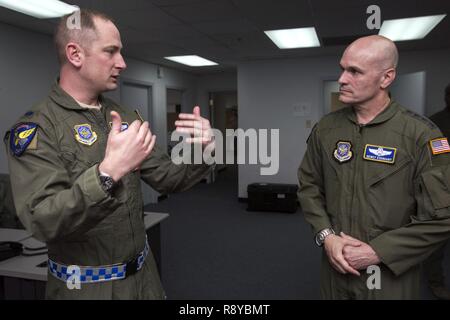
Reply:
x=390, y=193
x=382, y=172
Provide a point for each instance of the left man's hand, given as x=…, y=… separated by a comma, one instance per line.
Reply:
x=360, y=257
x=198, y=127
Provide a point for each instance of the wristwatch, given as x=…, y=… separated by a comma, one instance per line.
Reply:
x=107, y=182
x=322, y=234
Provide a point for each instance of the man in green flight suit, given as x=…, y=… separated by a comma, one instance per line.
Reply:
x=76, y=161
x=433, y=265
x=373, y=183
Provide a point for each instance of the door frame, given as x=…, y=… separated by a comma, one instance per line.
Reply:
x=150, y=98
x=323, y=110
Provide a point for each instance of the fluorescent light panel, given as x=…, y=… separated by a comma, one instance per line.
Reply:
x=192, y=61
x=409, y=28
x=294, y=38
x=40, y=8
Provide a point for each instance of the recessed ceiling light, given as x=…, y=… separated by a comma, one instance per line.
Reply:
x=409, y=28
x=192, y=60
x=40, y=8
x=294, y=38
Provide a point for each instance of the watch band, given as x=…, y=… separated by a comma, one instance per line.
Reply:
x=322, y=234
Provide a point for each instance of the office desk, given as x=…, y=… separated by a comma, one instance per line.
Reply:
x=13, y=234
x=22, y=276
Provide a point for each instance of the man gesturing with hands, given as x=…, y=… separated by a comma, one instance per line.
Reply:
x=76, y=160
x=125, y=150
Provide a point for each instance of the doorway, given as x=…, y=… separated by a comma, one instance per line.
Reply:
x=139, y=95
x=224, y=115
x=174, y=101
x=331, y=101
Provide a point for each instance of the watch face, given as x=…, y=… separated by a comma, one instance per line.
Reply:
x=319, y=240
x=107, y=183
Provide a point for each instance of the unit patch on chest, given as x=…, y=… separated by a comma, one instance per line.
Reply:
x=379, y=153
x=343, y=151
x=84, y=134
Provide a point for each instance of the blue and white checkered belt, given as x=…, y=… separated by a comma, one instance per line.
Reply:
x=100, y=273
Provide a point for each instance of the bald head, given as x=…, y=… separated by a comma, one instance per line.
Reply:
x=375, y=50
x=368, y=69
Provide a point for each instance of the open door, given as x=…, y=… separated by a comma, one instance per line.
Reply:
x=138, y=95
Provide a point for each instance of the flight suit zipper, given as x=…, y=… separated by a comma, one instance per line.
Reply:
x=354, y=205
x=99, y=118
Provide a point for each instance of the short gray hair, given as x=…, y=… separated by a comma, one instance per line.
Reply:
x=83, y=36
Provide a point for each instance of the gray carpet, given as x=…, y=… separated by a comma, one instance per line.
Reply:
x=212, y=248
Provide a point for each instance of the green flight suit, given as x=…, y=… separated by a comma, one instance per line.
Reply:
x=433, y=265
x=401, y=209
x=59, y=198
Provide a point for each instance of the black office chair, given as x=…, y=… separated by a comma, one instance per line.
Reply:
x=8, y=216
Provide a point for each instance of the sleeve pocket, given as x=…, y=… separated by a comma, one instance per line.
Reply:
x=436, y=183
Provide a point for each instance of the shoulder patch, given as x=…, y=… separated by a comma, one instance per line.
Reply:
x=21, y=136
x=439, y=145
x=422, y=119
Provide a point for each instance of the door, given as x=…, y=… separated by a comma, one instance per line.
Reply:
x=331, y=101
x=138, y=95
x=174, y=98
x=224, y=115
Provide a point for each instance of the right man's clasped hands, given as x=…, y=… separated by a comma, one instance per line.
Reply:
x=348, y=255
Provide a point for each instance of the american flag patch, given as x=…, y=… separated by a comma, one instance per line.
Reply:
x=439, y=146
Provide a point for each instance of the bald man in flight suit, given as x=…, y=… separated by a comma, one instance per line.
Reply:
x=433, y=265
x=373, y=183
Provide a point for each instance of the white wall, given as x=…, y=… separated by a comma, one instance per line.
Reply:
x=436, y=63
x=269, y=90
x=28, y=68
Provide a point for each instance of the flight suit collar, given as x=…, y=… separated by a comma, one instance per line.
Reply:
x=62, y=98
x=384, y=116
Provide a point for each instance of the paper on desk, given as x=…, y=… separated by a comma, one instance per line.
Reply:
x=33, y=244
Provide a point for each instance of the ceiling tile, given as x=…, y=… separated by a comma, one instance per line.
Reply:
x=213, y=10
x=226, y=26
x=275, y=14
